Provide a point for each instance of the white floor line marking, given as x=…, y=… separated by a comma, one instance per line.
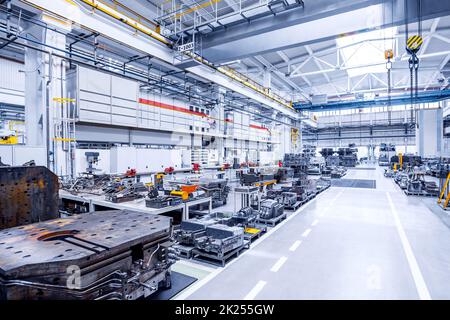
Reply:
x=256, y=289
x=278, y=264
x=306, y=233
x=295, y=245
x=198, y=284
x=315, y=222
x=421, y=286
x=322, y=213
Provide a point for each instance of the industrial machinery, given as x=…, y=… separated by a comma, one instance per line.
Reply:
x=297, y=161
x=417, y=185
x=87, y=183
x=220, y=239
x=316, y=165
x=389, y=173
x=348, y=156
x=190, y=230
x=28, y=194
x=322, y=184
x=162, y=201
x=273, y=194
x=92, y=159
x=304, y=188
x=338, y=172
x=249, y=179
x=284, y=174
x=217, y=189
x=333, y=160
x=245, y=217
x=405, y=161
x=159, y=180
x=186, y=192
x=289, y=200
x=331, y=157
x=126, y=190
x=271, y=212
x=101, y=255
x=387, y=151
x=246, y=197
x=309, y=151
x=155, y=200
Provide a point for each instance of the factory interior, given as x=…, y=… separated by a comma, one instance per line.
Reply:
x=224, y=150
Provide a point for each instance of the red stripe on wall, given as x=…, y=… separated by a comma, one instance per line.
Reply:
x=258, y=127
x=171, y=107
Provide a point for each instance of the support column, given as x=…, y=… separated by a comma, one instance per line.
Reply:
x=45, y=81
x=429, y=134
x=35, y=93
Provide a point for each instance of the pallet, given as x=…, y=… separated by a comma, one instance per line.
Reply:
x=323, y=189
x=294, y=207
x=421, y=194
x=272, y=222
x=202, y=256
x=311, y=196
x=253, y=236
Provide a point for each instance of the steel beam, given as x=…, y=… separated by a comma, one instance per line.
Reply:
x=423, y=97
x=297, y=27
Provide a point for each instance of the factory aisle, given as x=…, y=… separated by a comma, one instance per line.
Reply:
x=348, y=243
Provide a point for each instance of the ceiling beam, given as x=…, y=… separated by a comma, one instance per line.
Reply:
x=433, y=28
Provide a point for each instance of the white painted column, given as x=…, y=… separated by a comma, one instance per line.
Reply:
x=35, y=93
x=44, y=81
x=429, y=134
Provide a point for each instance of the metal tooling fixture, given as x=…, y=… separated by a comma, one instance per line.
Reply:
x=126, y=191
x=192, y=229
x=217, y=189
x=116, y=254
x=348, y=156
x=220, y=239
x=297, y=161
x=271, y=209
x=27, y=195
x=246, y=197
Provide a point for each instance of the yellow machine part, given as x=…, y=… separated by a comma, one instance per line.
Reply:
x=395, y=167
x=160, y=176
x=265, y=183
x=252, y=230
x=400, y=159
x=9, y=140
x=182, y=194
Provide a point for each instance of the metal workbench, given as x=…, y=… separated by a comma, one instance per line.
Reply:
x=137, y=205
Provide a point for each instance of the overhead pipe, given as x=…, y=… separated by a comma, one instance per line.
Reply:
x=226, y=71
x=82, y=56
x=127, y=20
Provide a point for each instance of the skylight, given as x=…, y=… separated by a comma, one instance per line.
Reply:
x=366, y=48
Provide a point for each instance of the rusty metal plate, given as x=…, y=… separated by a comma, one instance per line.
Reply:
x=27, y=195
x=83, y=240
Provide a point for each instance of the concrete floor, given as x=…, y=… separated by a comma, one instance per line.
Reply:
x=348, y=243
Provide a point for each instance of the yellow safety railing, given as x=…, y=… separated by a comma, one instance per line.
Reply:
x=444, y=189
